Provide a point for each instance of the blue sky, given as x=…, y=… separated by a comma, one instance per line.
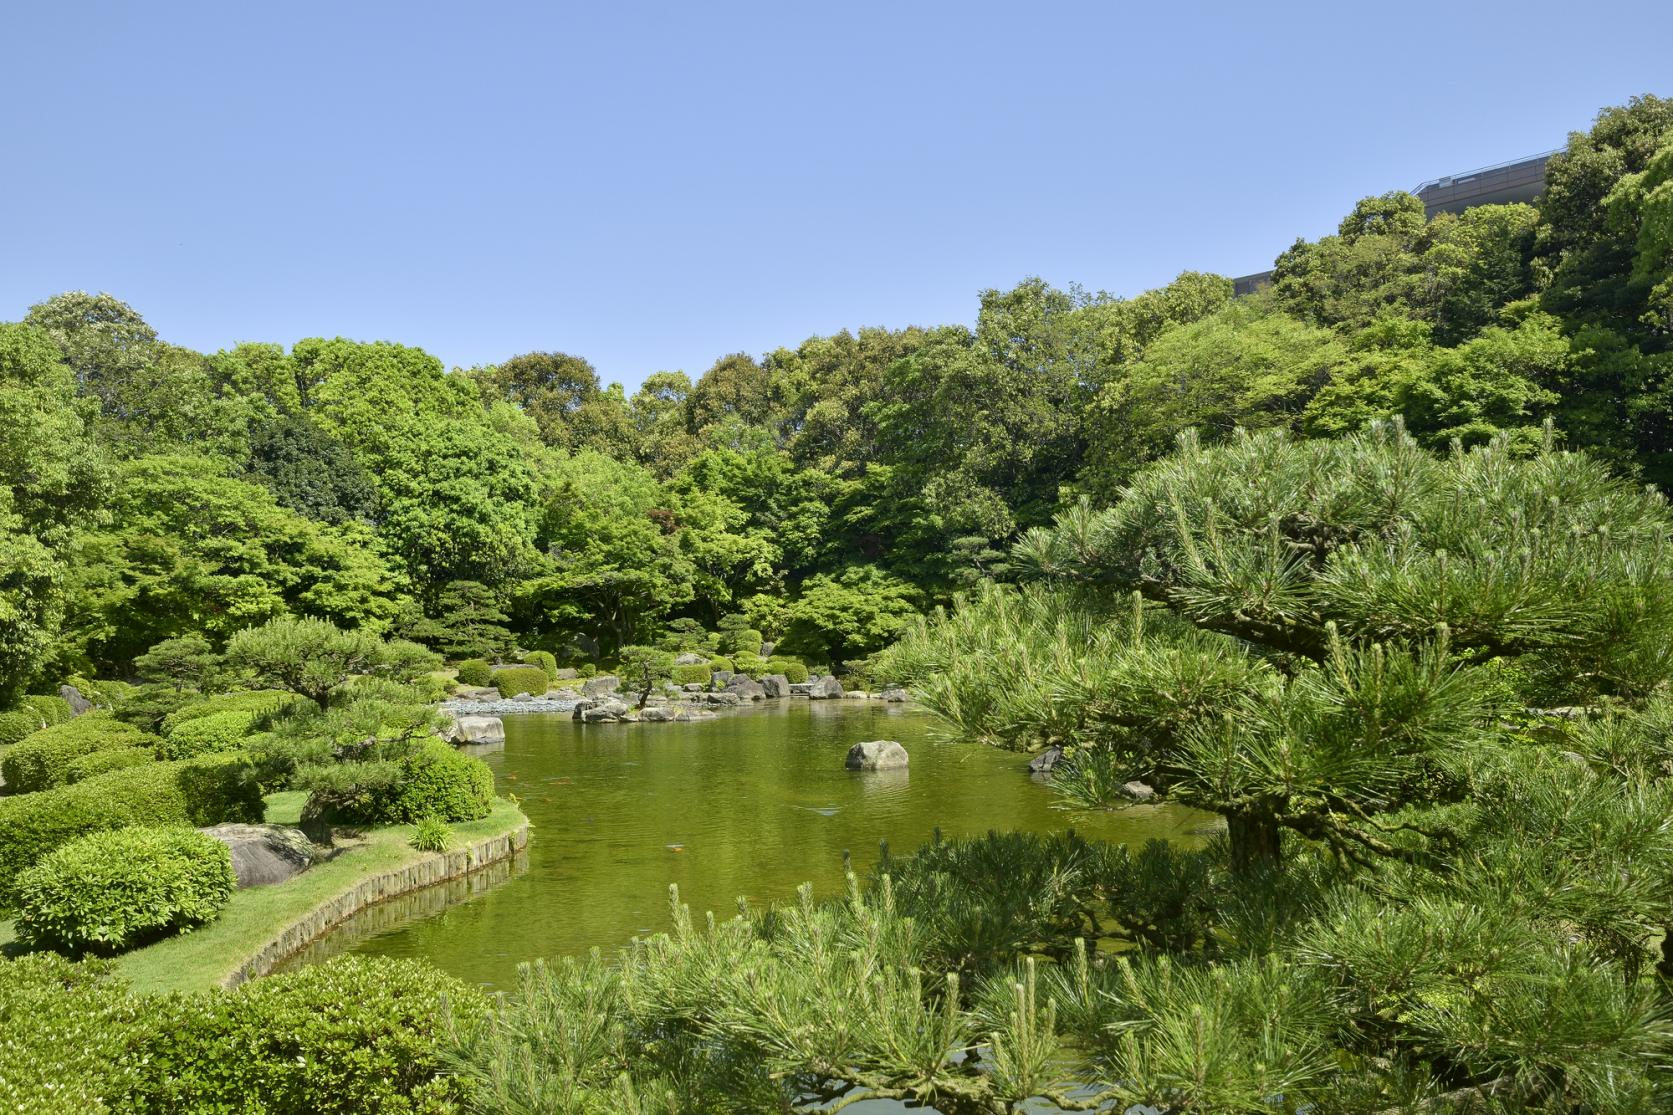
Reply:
x=654, y=185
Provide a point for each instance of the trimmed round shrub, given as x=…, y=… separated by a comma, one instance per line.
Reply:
x=17, y=724
x=432, y=781
x=194, y=792
x=206, y=735
x=721, y=662
x=742, y=642
x=546, y=660
x=587, y=670
x=685, y=675
x=751, y=664
x=256, y=702
x=99, y=691
x=476, y=671
x=793, y=669
x=512, y=680
x=53, y=710
x=43, y=759
x=103, y=762
x=349, y=1036
x=111, y=891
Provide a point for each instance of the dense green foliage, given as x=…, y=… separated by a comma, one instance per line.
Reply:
x=110, y=891
x=476, y=671
x=348, y=1036
x=194, y=792
x=512, y=680
x=203, y=735
x=42, y=760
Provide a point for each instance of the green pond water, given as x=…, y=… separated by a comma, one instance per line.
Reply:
x=752, y=803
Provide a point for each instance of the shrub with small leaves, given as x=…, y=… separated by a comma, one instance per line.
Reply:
x=110, y=891
x=103, y=762
x=258, y=702
x=53, y=710
x=432, y=835
x=587, y=669
x=545, y=660
x=699, y=674
x=476, y=671
x=65, y=1026
x=205, y=735
x=432, y=780
x=793, y=669
x=512, y=680
x=17, y=724
x=42, y=760
x=742, y=642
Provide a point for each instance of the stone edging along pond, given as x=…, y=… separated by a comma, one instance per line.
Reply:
x=433, y=868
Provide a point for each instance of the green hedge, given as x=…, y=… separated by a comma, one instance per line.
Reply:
x=793, y=669
x=751, y=664
x=476, y=671
x=67, y=1027
x=103, y=762
x=546, y=660
x=742, y=642
x=110, y=891
x=53, y=710
x=194, y=792
x=700, y=673
x=43, y=759
x=17, y=724
x=512, y=680
x=433, y=781
x=720, y=662
x=258, y=702
x=206, y=735
x=352, y=1035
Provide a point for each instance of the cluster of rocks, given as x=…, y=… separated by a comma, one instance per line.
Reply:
x=1047, y=761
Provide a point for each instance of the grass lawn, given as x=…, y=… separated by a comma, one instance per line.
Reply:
x=204, y=957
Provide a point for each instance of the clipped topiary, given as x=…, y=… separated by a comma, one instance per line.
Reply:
x=206, y=735
x=42, y=760
x=53, y=710
x=109, y=891
x=432, y=780
x=194, y=792
x=256, y=702
x=512, y=680
x=721, y=662
x=17, y=724
x=587, y=670
x=751, y=664
x=103, y=762
x=545, y=660
x=700, y=673
x=476, y=671
x=743, y=642
x=793, y=669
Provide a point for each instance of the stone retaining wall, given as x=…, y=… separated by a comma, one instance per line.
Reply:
x=437, y=867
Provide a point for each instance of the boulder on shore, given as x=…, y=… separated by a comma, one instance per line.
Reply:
x=476, y=729
x=876, y=754
x=1137, y=791
x=775, y=685
x=1046, y=761
x=690, y=658
x=746, y=688
x=601, y=686
x=604, y=711
x=264, y=854
x=72, y=697
x=824, y=689
x=657, y=714
x=566, y=673
x=894, y=695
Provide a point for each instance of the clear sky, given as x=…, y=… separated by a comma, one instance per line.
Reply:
x=654, y=185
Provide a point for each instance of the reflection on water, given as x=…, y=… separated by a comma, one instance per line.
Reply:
x=750, y=804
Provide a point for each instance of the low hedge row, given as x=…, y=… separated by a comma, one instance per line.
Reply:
x=17, y=724
x=351, y=1035
x=700, y=673
x=110, y=891
x=194, y=792
x=206, y=735
x=512, y=680
x=257, y=702
x=53, y=710
x=43, y=759
x=103, y=762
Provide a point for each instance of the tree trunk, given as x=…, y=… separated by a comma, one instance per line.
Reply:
x=1254, y=841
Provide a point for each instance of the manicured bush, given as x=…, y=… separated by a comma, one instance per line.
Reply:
x=793, y=669
x=43, y=759
x=66, y=1027
x=745, y=641
x=194, y=792
x=17, y=724
x=110, y=891
x=53, y=710
x=587, y=670
x=512, y=680
x=545, y=660
x=721, y=662
x=256, y=702
x=432, y=836
x=349, y=1036
x=476, y=671
x=103, y=762
x=205, y=735
x=751, y=664
x=700, y=673
x=433, y=780
x=99, y=690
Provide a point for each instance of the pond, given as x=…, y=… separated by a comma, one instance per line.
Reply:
x=752, y=803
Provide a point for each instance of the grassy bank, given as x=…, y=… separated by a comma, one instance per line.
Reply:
x=208, y=956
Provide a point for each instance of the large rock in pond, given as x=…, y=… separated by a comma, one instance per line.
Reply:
x=601, y=686
x=72, y=697
x=1137, y=791
x=264, y=854
x=656, y=714
x=825, y=688
x=747, y=689
x=894, y=695
x=775, y=685
x=604, y=711
x=476, y=729
x=1046, y=761
x=876, y=754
